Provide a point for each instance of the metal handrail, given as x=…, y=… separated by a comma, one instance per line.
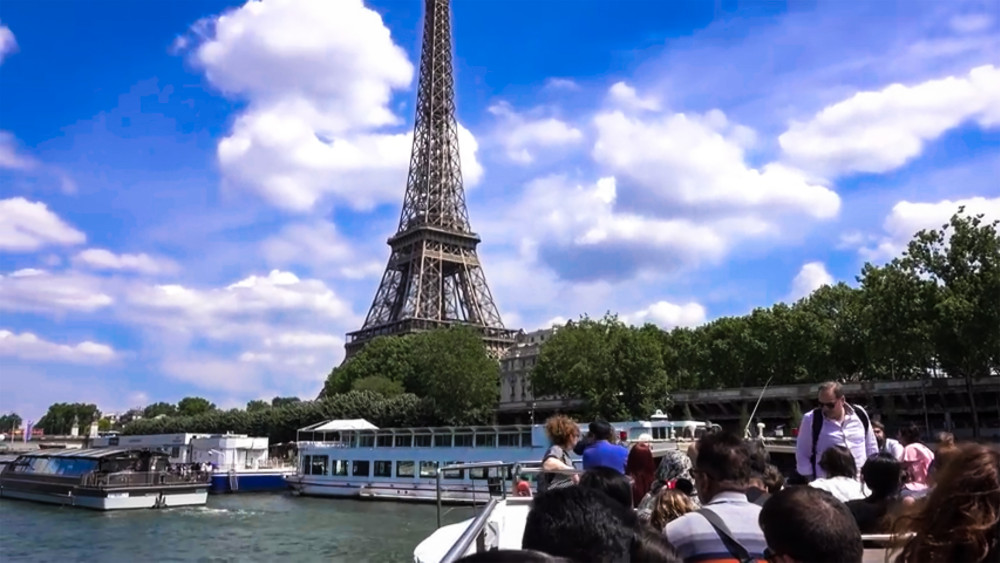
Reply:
x=471, y=533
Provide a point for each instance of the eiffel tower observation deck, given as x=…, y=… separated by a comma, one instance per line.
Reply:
x=434, y=278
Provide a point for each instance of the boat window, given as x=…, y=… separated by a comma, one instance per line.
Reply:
x=306, y=464
x=422, y=441
x=339, y=467
x=477, y=473
x=360, y=468
x=175, y=451
x=428, y=468
x=366, y=441
x=384, y=440
x=526, y=440
x=383, y=469
x=660, y=433
x=509, y=439
x=404, y=441
x=463, y=440
x=404, y=469
x=442, y=440
x=486, y=440
x=454, y=473
x=319, y=463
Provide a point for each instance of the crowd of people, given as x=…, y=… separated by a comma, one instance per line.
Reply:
x=723, y=501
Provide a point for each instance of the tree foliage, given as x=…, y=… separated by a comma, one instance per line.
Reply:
x=257, y=405
x=284, y=401
x=156, y=409
x=59, y=418
x=9, y=421
x=378, y=384
x=193, y=406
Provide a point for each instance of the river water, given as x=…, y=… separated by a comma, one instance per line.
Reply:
x=249, y=527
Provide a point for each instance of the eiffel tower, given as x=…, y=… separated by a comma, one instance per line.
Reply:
x=434, y=278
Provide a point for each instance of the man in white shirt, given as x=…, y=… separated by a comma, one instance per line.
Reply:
x=841, y=424
x=887, y=445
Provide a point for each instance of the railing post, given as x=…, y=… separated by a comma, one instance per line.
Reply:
x=439, y=497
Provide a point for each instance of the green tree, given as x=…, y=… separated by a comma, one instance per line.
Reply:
x=452, y=371
x=257, y=405
x=896, y=308
x=378, y=384
x=284, y=401
x=9, y=421
x=390, y=357
x=103, y=425
x=193, y=406
x=156, y=409
x=960, y=263
x=59, y=418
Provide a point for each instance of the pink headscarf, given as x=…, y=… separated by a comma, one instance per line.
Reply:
x=917, y=458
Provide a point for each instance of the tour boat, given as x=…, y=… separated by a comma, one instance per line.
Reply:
x=238, y=463
x=355, y=459
x=102, y=479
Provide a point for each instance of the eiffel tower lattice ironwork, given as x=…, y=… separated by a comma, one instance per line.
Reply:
x=434, y=278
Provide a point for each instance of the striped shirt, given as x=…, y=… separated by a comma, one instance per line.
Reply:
x=696, y=541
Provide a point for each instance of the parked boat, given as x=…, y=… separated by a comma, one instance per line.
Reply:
x=102, y=479
x=237, y=462
x=353, y=458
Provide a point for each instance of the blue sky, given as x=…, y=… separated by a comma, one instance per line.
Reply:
x=195, y=196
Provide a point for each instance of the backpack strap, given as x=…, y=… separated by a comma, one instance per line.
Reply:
x=817, y=428
x=735, y=548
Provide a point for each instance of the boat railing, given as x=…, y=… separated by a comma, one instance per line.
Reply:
x=141, y=479
x=475, y=532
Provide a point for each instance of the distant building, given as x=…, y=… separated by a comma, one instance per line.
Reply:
x=516, y=396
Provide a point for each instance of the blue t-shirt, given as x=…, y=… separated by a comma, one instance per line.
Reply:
x=605, y=454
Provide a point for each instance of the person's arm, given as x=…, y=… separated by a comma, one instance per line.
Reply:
x=871, y=444
x=803, y=446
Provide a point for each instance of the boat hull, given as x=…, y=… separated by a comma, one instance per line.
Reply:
x=419, y=492
x=112, y=501
x=250, y=482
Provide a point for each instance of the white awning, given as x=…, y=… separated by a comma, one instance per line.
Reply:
x=340, y=425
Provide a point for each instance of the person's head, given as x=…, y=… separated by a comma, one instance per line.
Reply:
x=959, y=520
x=759, y=459
x=837, y=461
x=670, y=504
x=650, y=546
x=601, y=430
x=512, y=556
x=879, y=430
x=883, y=474
x=644, y=439
x=773, y=479
x=831, y=400
x=562, y=431
x=609, y=482
x=581, y=524
x=909, y=434
x=809, y=524
x=944, y=440
x=723, y=464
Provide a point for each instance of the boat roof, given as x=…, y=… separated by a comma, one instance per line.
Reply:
x=338, y=425
x=92, y=453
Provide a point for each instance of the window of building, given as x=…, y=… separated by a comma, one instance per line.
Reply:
x=428, y=469
x=360, y=468
x=404, y=469
x=442, y=440
x=383, y=469
x=339, y=468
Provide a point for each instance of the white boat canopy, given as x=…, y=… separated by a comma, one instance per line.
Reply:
x=340, y=425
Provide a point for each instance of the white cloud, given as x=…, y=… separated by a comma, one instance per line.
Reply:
x=26, y=226
x=699, y=162
x=101, y=259
x=907, y=218
x=10, y=157
x=521, y=135
x=321, y=247
x=27, y=346
x=8, y=44
x=811, y=276
x=625, y=97
x=880, y=131
x=42, y=291
x=319, y=77
x=304, y=340
x=970, y=23
x=561, y=84
x=668, y=315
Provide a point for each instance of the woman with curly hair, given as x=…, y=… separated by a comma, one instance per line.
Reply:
x=959, y=520
x=563, y=433
x=670, y=504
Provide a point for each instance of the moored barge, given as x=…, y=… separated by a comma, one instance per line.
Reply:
x=102, y=479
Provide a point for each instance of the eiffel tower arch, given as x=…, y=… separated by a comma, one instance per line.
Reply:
x=434, y=278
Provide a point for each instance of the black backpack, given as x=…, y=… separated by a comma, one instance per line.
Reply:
x=817, y=427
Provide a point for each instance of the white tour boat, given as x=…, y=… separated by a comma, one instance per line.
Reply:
x=239, y=463
x=353, y=458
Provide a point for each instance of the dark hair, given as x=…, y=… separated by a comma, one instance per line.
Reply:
x=910, y=434
x=883, y=474
x=759, y=458
x=650, y=546
x=609, y=482
x=837, y=461
x=773, y=479
x=601, y=430
x=581, y=524
x=685, y=486
x=512, y=556
x=810, y=524
x=725, y=458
